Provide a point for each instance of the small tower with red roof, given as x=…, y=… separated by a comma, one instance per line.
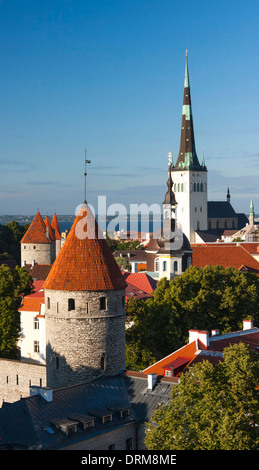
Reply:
x=85, y=308
x=38, y=243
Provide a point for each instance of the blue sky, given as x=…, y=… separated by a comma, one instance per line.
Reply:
x=108, y=75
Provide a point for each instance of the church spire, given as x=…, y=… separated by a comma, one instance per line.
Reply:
x=187, y=158
x=251, y=213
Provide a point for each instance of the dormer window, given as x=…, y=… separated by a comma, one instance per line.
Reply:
x=65, y=425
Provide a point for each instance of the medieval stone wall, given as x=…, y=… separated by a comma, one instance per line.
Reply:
x=16, y=378
x=84, y=340
x=41, y=253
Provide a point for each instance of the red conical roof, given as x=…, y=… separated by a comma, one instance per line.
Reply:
x=55, y=226
x=36, y=232
x=48, y=225
x=85, y=261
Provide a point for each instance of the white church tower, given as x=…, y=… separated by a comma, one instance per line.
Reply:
x=189, y=176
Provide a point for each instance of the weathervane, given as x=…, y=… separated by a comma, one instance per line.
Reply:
x=85, y=174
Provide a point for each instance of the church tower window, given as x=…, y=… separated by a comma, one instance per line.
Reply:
x=156, y=265
x=175, y=266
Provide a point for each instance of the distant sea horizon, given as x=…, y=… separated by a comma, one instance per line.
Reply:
x=113, y=223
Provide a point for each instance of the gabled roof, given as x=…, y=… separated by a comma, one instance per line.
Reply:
x=85, y=261
x=55, y=227
x=36, y=232
x=134, y=292
x=220, y=209
x=223, y=254
x=29, y=422
x=142, y=281
x=196, y=351
x=187, y=351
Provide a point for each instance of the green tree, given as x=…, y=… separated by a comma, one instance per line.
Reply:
x=13, y=284
x=10, y=237
x=201, y=298
x=215, y=407
x=123, y=262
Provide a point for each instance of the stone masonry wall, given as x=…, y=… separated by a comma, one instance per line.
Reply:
x=16, y=378
x=86, y=341
x=41, y=253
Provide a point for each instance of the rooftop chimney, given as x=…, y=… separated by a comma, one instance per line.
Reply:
x=247, y=324
x=215, y=332
x=151, y=381
x=202, y=335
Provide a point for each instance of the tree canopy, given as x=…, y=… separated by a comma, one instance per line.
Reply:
x=201, y=298
x=215, y=407
x=13, y=284
x=10, y=237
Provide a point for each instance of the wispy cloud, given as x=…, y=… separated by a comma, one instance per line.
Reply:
x=19, y=165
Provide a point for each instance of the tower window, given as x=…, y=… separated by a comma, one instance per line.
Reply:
x=198, y=187
x=36, y=346
x=201, y=187
x=71, y=304
x=36, y=323
x=102, y=303
x=194, y=187
x=156, y=265
x=164, y=266
x=48, y=302
x=87, y=307
x=175, y=267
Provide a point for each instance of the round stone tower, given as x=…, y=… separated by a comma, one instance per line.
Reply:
x=37, y=244
x=85, y=308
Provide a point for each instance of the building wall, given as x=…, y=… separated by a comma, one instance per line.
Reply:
x=116, y=437
x=192, y=212
x=16, y=378
x=84, y=342
x=41, y=253
x=223, y=223
x=30, y=334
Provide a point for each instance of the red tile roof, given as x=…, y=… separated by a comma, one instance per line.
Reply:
x=134, y=292
x=187, y=351
x=55, y=227
x=36, y=232
x=31, y=304
x=226, y=255
x=142, y=281
x=195, y=352
x=85, y=261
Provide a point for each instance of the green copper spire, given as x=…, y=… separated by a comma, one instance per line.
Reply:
x=186, y=77
x=187, y=157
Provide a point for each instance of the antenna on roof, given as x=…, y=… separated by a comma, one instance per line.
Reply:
x=85, y=174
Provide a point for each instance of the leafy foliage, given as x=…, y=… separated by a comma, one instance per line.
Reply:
x=13, y=283
x=10, y=237
x=215, y=407
x=201, y=298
